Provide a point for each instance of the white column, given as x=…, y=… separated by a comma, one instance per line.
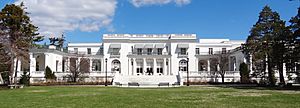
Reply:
x=68, y=64
x=234, y=65
x=128, y=66
x=134, y=67
x=284, y=71
x=164, y=66
x=154, y=66
x=267, y=65
x=32, y=64
x=251, y=65
x=168, y=66
x=208, y=65
x=91, y=64
x=144, y=66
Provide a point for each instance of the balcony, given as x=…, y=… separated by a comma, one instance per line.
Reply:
x=183, y=55
x=148, y=54
x=115, y=55
x=85, y=53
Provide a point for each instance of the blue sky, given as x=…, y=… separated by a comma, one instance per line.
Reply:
x=207, y=18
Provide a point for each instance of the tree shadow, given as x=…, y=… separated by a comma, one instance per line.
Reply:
x=257, y=87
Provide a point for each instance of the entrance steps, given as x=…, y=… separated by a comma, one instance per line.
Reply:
x=146, y=81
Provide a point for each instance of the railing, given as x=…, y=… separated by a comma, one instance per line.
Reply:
x=149, y=36
x=83, y=53
x=147, y=53
x=62, y=74
x=115, y=53
x=37, y=72
x=180, y=54
x=218, y=52
x=209, y=74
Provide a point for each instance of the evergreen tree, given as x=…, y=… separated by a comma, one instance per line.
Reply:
x=49, y=75
x=294, y=44
x=25, y=78
x=265, y=36
x=244, y=73
x=17, y=34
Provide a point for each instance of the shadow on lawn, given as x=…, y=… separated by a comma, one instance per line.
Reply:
x=257, y=87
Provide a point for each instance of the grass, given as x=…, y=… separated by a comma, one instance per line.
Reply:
x=99, y=97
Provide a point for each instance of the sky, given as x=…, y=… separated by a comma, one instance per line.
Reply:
x=88, y=20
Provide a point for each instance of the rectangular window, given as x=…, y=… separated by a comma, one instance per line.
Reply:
x=167, y=49
x=96, y=65
x=197, y=51
x=223, y=50
x=56, y=66
x=159, y=51
x=159, y=70
x=149, y=51
x=63, y=65
x=139, y=70
x=89, y=51
x=183, y=51
x=115, y=51
x=210, y=51
x=139, y=51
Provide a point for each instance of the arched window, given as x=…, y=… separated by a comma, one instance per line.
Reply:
x=202, y=65
x=182, y=65
x=96, y=65
x=116, y=66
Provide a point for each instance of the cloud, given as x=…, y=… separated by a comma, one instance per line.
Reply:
x=140, y=3
x=56, y=16
x=182, y=2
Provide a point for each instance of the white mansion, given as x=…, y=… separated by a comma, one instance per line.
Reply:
x=147, y=59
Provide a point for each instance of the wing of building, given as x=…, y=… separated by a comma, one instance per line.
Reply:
x=145, y=59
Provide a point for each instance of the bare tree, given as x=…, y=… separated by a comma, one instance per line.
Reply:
x=223, y=64
x=78, y=66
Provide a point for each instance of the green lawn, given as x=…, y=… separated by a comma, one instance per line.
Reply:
x=98, y=97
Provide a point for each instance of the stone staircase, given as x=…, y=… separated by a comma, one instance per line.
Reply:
x=145, y=81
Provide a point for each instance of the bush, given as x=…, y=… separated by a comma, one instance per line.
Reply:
x=25, y=79
x=244, y=73
x=49, y=75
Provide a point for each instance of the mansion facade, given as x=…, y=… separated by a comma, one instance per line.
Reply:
x=146, y=59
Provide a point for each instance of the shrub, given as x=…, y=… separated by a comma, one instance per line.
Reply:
x=49, y=75
x=25, y=79
x=244, y=73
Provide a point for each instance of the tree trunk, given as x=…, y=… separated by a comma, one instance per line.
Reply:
x=270, y=73
x=223, y=75
x=11, y=73
x=281, y=77
x=1, y=79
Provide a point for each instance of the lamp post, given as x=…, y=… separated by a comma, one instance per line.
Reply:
x=105, y=71
x=187, y=71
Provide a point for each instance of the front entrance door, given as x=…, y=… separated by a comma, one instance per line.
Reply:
x=116, y=66
x=149, y=71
